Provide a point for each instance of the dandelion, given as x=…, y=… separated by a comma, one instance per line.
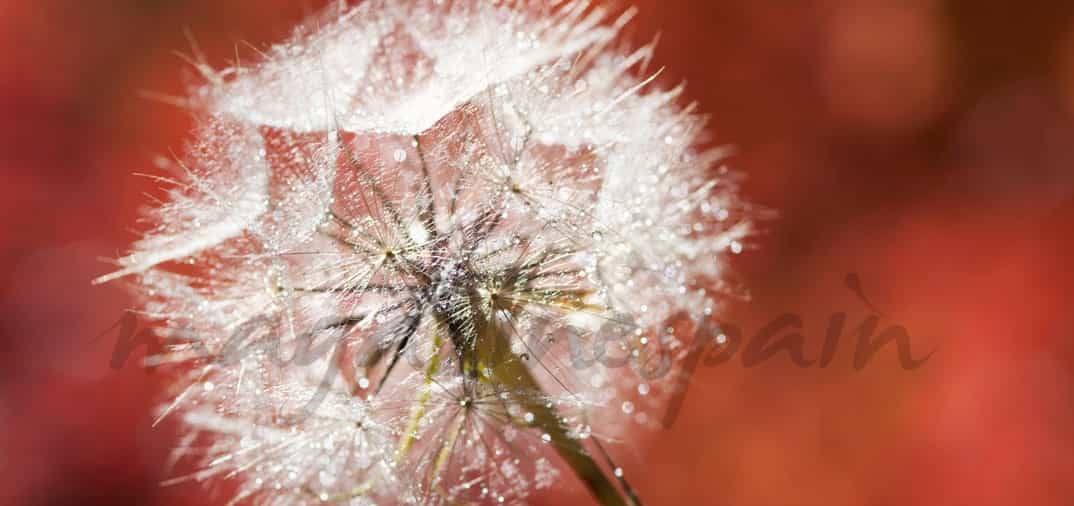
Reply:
x=431, y=252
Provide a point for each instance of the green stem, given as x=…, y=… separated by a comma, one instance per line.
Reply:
x=493, y=357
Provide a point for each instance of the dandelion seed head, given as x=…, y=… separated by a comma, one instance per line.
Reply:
x=418, y=251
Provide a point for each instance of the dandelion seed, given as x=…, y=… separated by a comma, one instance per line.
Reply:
x=394, y=228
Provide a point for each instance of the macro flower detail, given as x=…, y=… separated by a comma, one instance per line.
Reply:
x=432, y=252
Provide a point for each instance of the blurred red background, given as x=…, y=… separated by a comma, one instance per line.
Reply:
x=926, y=145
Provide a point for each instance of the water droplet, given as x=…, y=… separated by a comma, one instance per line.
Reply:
x=628, y=407
x=584, y=431
x=363, y=383
x=618, y=472
x=736, y=247
x=528, y=417
x=399, y=155
x=208, y=386
x=643, y=389
x=546, y=438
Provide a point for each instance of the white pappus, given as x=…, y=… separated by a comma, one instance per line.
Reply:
x=432, y=252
